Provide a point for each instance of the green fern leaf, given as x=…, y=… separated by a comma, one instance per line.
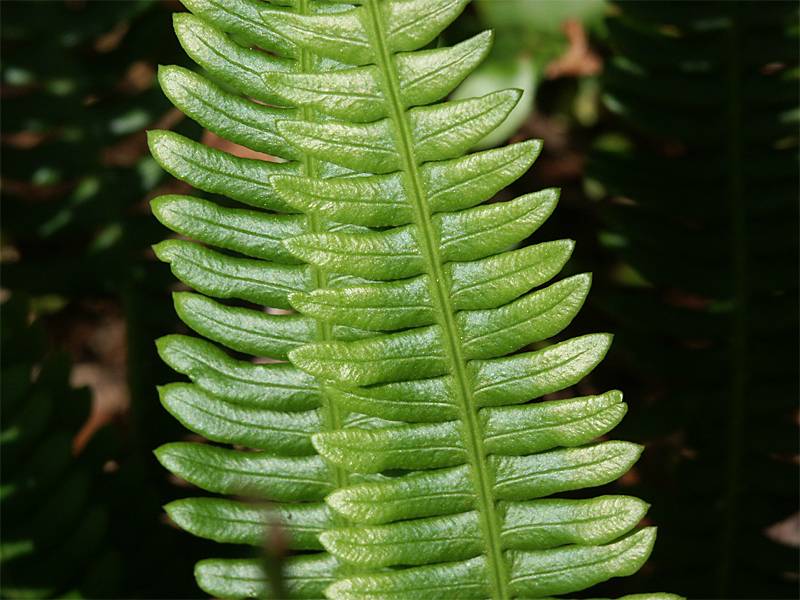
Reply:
x=468, y=519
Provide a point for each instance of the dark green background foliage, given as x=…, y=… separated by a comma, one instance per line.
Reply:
x=705, y=150
x=679, y=178
x=54, y=506
x=78, y=90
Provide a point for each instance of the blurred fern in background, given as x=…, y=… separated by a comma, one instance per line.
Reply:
x=55, y=521
x=78, y=91
x=702, y=176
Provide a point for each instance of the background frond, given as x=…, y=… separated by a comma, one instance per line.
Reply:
x=55, y=497
x=701, y=170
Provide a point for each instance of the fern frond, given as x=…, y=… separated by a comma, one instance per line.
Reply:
x=237, y=255
x=707, y=99
x=468, y=519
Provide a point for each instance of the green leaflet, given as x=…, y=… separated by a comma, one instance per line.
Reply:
x=407, y=303
x=303, y=577
x=537, y=573
x=395, y=253
x=442, y=491
x=225, y=61
x=210, y=170
x=226, y=114
x=221, y=421
x=232, y=522
x=254, y=474
x=266, y=386
x=441, y=131
x=377, y=200
x=224, y=276
x=484, y=334
x=260, y=413
x=242, y=19
x=249, y=232
x=456, y=300
x=517, y=430
x=343, y=37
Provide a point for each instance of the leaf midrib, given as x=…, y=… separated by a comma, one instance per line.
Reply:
x=332, y=418
x=441, y=300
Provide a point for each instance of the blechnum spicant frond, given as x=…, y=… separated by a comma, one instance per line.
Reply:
x=345, y=97
x=468, y=518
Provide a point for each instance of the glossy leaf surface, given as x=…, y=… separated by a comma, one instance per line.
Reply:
x=437, y=320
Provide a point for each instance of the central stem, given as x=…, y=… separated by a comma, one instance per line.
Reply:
x=440, y=294
x=331, y=417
